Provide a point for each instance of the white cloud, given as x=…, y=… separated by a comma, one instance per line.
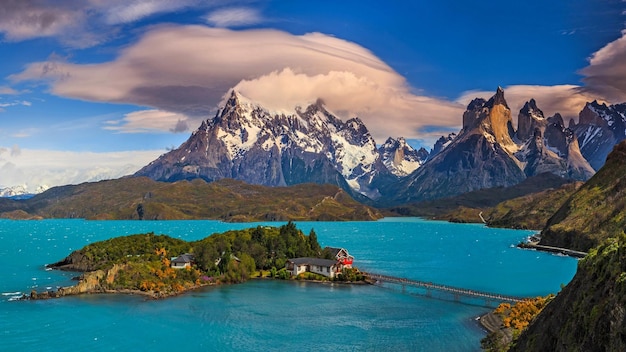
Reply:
x=606, y=73
x=568, y=100
x=149, y=121
x=55, y=168
x=84, y=23
x=126, y=11
x=187, y=70
x=386, y=109
x=15, y=103
x=234, y=17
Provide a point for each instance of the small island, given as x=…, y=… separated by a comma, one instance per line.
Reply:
x=160, y=266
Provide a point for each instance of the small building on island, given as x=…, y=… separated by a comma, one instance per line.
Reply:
x=182, y=261
x=327, y=267
x=341, y=255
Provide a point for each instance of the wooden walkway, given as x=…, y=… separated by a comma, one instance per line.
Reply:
x=444, y=288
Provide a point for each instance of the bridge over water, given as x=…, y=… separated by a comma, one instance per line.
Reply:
x=456, y=291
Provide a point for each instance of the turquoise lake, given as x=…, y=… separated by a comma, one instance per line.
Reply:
x=268, y=315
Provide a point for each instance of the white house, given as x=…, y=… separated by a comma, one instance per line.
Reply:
x=182, y=261
x=326, y=267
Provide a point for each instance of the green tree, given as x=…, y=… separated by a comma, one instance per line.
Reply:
x=314, y=246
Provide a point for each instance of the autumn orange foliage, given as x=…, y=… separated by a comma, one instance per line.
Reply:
x=522, y=313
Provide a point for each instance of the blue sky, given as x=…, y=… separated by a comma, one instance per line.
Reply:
x=92, y=89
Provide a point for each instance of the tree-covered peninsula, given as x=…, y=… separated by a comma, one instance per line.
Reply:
x=143, y=263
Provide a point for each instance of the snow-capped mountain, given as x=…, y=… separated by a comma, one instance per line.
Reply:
x=599, y=128
x=400, y=158
x=249, y=142
x=21, y=191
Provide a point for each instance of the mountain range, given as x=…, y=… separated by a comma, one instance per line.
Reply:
x=249, y=142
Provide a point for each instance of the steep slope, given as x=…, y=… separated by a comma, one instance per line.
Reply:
x=599, y=128
x=247, y=142
x=596, y=211
x=588, y=314
x=227, y=199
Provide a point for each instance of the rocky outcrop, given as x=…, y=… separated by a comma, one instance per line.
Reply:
x=529, y=119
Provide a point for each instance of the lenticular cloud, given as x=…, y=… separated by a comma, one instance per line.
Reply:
x=188, y=69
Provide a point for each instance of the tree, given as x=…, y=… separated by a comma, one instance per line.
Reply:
x=140, y=211
x=314, y=246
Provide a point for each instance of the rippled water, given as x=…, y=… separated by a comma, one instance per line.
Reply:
x=269, y=315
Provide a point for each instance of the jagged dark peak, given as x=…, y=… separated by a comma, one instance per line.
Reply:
x=595, y=104
x=477, y=103
x=356, y=123
x=441, y=144
x=530, y=108
x=390, y=141
x=557, y=119
x=316, y=107
x=497, y=99
x=571, y=124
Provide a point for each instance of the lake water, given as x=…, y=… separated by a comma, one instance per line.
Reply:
x=267, y=315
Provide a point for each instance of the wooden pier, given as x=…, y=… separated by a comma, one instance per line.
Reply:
x=445, y=288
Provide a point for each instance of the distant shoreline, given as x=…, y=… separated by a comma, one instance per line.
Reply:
x=550, y=249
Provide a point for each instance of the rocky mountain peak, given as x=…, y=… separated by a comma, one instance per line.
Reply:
x=530, y=118
x=497, y=99
x=492, y=116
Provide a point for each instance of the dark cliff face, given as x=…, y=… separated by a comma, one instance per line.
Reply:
x=589, y=314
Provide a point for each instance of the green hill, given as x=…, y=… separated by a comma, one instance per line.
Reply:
x=228, y=200
x=595, y=212
x=588, y=314
x=531, y=211
x=497, y=204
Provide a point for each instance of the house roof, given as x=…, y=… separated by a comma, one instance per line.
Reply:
x=183, y=258
x=313, y=261
x=335, y=251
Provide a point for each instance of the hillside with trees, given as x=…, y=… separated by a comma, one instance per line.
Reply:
x=142, y=263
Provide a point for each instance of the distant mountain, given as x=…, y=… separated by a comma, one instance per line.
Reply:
x=227, y=199
x=596, y=211
x=400, y=158
x=489, y=153
x=21, y=191
x=248, y=142
x=599, y=128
